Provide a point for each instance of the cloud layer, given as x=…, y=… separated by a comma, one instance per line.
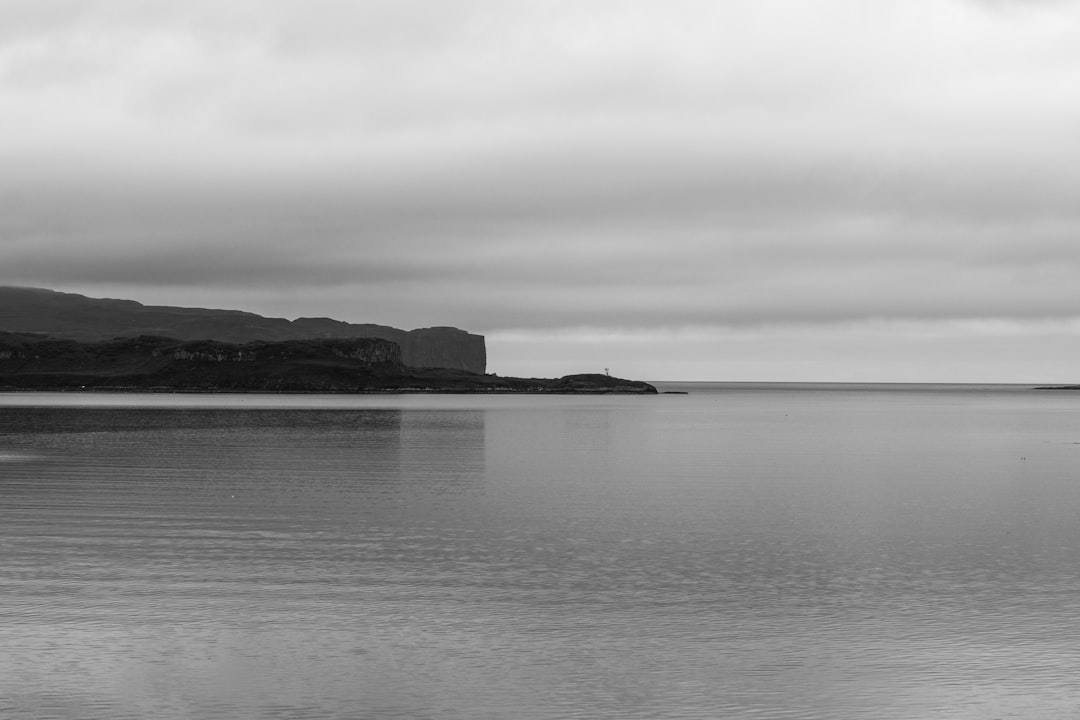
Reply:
x=522, y=166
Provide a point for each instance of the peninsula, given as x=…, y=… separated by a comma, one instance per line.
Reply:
x=58, y=341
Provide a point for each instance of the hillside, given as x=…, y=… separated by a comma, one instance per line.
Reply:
x=75, y=317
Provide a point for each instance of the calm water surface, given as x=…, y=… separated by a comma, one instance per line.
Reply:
x=744, y=551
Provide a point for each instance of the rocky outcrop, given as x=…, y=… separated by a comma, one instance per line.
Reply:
x=76, y=317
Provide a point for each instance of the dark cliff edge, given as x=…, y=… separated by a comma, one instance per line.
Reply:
x=161, y=364
x=75, y=317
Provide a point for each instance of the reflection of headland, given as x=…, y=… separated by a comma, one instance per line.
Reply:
x=256, y=467
x=442, y=449
x=298, y=449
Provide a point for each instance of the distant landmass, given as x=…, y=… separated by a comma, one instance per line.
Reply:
x=75, y=317
x=148, y=363
x=61, y=341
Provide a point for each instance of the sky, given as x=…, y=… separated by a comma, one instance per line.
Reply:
x=836, y=190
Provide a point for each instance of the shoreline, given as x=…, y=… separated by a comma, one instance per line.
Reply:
x=128, y=390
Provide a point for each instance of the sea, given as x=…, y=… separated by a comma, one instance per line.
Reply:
x=761, y=551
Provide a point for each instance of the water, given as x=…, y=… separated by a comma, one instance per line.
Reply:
x=744, y=551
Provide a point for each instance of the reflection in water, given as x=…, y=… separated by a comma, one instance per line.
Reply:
x=10, y=457
x=736, y=555
x=303, y=461
x=181, y=562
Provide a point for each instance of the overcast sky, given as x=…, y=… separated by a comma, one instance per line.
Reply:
x=715, y=189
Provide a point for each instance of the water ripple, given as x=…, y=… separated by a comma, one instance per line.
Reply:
x=576, y=561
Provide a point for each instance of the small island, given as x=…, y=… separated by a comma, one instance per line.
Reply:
x=149, y=363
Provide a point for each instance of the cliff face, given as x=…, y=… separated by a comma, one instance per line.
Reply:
x=444, y=347
x=75, y=317
x=434, y=347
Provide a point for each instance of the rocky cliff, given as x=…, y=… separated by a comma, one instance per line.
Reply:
x=76, y=317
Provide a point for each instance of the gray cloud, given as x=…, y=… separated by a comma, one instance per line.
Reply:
x=522, y=165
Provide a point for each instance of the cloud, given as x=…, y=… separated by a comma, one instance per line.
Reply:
x=869, y=351
x=540, y=166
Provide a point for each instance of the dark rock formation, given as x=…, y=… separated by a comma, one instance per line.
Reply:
x=75, y=317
